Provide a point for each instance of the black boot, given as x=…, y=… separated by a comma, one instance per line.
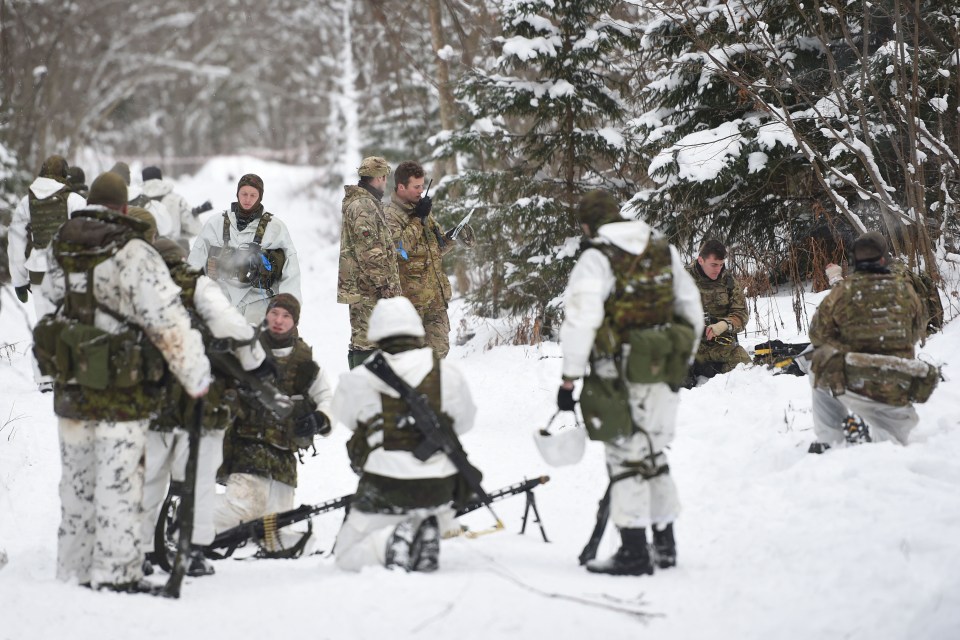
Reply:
x=197, y=563
x=425, y=550
x=631, y=559
x=664, y=547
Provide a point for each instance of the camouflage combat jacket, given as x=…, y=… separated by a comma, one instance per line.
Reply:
x=877, y=313
x=261, y=444
x=420, y=251
x=722, y=300
x=368, y=262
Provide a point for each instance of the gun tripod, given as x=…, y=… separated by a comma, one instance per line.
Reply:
x=532, y=504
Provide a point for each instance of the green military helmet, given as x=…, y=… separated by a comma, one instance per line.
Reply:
x=598, y=208
x=55, y=167
x=108, y=190
x=141, y=214
x=122, y=169
x=374, y=167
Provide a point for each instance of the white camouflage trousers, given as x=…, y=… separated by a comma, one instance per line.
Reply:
x=249, y=497
x=362, y=540
x=167, y=458
x=884, y=422
x=101, y=491
x=636, y=502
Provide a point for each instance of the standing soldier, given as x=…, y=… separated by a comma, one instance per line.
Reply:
x=395, y=514
x=260, y=452
x=865, y=378
x=184, y=224
x=368, y=261
x=167, y=442
x=725, y=314
x=633, y=314
x=421, y=245
x=249, y=252
x=120, y=319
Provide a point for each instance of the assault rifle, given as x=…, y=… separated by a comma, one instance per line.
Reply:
x=435, y=437
x=252, y=388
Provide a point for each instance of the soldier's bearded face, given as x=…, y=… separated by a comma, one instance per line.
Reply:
x=410, y=192
x=711, y=266
x=279, y=321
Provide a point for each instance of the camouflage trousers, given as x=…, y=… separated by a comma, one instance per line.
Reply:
x=167, y=459
x=884, y=422
x=362, y=540
x=249, y=497
x=436, y=324
x=637, y=501
x=101, y=490
x=359, y=323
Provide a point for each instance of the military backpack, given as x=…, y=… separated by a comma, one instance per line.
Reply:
x=46, y=216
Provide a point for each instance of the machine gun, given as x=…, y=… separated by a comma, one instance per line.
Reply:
x=264, y=531
x=780, y=356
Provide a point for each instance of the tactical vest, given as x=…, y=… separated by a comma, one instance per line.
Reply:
x=876, y=318
x=178, y=406
x=642, y=297
x=249, y=263
x=46, y=216
x=99, y=375
x=399, y=434
x=296, y=372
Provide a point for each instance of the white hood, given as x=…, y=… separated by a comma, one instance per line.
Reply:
x=156, y=188
x=629, y=235
x=45, y=187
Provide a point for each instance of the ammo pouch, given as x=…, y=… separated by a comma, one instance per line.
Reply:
x=70, y=350
x=605, y=402
x=659, y=354
x=359, y=447
x=889, y=379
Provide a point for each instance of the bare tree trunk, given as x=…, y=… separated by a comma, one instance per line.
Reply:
x=447, y=105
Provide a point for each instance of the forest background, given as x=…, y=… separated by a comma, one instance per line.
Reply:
x=781, y=127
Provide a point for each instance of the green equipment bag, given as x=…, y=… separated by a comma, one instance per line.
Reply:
x=605, y=403
x=660, y=354
x=889, y=379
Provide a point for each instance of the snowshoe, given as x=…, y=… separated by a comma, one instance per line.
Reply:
x=854, y=430
x=399, y=546
x=818, y=447
x=425, y=550
x=631, y=559
x=664, y=547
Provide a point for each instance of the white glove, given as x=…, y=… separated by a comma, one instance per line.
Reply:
x=834, y=273
x=718, y=328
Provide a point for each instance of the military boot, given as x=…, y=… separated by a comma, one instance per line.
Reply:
x=664, y=547
x=425, y=550
x=399, y=546
x=855, y=430
x=135, y=586
x=197, y=563
x=631, y=559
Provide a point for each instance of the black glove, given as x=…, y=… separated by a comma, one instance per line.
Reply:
x=314, y=423
x=22, y=292
x=267, y=371
x=565, y=401
x=422, y=210
x=206, y=206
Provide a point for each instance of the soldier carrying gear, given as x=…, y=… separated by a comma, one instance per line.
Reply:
x=421, y=244
x=865, y=376
x=120, y=326
x=249, y=252
x=184, y=224
x=632, y=314
x=403, y=502
x=368, y=261
x=77, y=181
x=167, y=441
x=260, y=452
x=725, y=314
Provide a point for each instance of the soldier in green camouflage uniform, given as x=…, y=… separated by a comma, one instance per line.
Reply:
x=368, y=260
x=121, y=324
x=421, y=245
x=725, y=314
x=875, y=311
x=260, y=451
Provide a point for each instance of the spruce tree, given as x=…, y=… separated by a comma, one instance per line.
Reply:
x=545, y=120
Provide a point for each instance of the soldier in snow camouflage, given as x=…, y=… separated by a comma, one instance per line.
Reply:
x=119, y=306
x=874, y=312
x=421, y=245
x=368, y=262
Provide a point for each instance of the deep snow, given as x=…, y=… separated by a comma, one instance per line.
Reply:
x=773, y=542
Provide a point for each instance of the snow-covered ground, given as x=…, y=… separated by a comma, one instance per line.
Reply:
x=773, y=542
